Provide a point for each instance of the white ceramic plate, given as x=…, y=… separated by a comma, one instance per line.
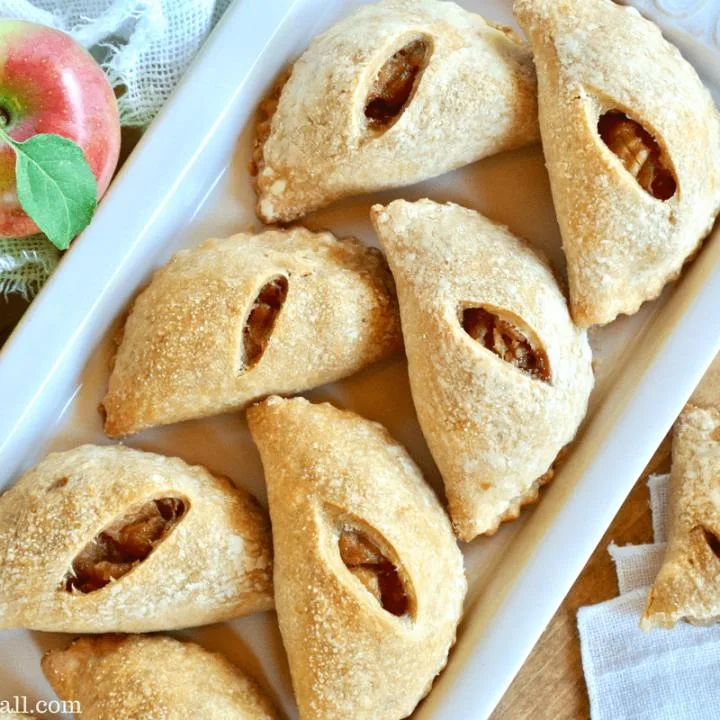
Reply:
x=188, y=180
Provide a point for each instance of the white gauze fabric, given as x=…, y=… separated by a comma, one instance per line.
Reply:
x=144, y=46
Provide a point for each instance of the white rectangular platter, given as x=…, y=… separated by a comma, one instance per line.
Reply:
x=188, y=180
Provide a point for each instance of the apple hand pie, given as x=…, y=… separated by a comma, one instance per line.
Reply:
x=688, y=584
x=237, y=319
x=369, y=580
x=139, y=677
x=499, y=375
x=398, y=92
x=632, y=145
x=110, y=539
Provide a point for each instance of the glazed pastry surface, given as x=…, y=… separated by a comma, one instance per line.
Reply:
x=110, y=539
x=500, y=376
x=368, y=576
x=398, y=92
x=632, y=144
x=236, y=319
x=153, y=678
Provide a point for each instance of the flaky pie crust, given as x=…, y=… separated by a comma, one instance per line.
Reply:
x=180, y=355
x=348, y=656
x=622, y=244
x=688, y=584
x=215, y=564
x=153, y=678
x=494, y=431
x=475, y=97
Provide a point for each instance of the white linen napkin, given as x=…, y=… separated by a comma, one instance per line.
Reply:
x=636, y=675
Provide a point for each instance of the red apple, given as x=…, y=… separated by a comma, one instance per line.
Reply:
x=49, y=84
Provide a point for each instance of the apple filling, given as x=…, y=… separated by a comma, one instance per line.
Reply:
x=639, y=153
x=395, y=83
x=713, y=542
x=266, y=111
x=123, y=545
x=261, y=319
x=505, y=339
x=379, y=576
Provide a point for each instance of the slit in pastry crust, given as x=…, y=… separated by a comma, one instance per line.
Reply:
x=639, y=153
x=713, y=541
x=395, y=84
x=124, y=544
x=507, y=337
x=379, y=575
x=261, y=320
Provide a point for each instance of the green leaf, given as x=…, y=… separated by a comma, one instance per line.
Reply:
x=55, y=186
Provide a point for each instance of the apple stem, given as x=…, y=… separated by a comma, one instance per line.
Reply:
x=4, y=117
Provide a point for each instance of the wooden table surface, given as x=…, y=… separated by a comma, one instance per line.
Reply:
x=550, y=685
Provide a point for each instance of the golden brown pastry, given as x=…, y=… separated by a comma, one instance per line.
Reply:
x=237, y=319
x=688, y=584
x=398, y=92
x=632, y=144
x=110, y=539
x=138, y=677
x=369, y=580
x=499, y=374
